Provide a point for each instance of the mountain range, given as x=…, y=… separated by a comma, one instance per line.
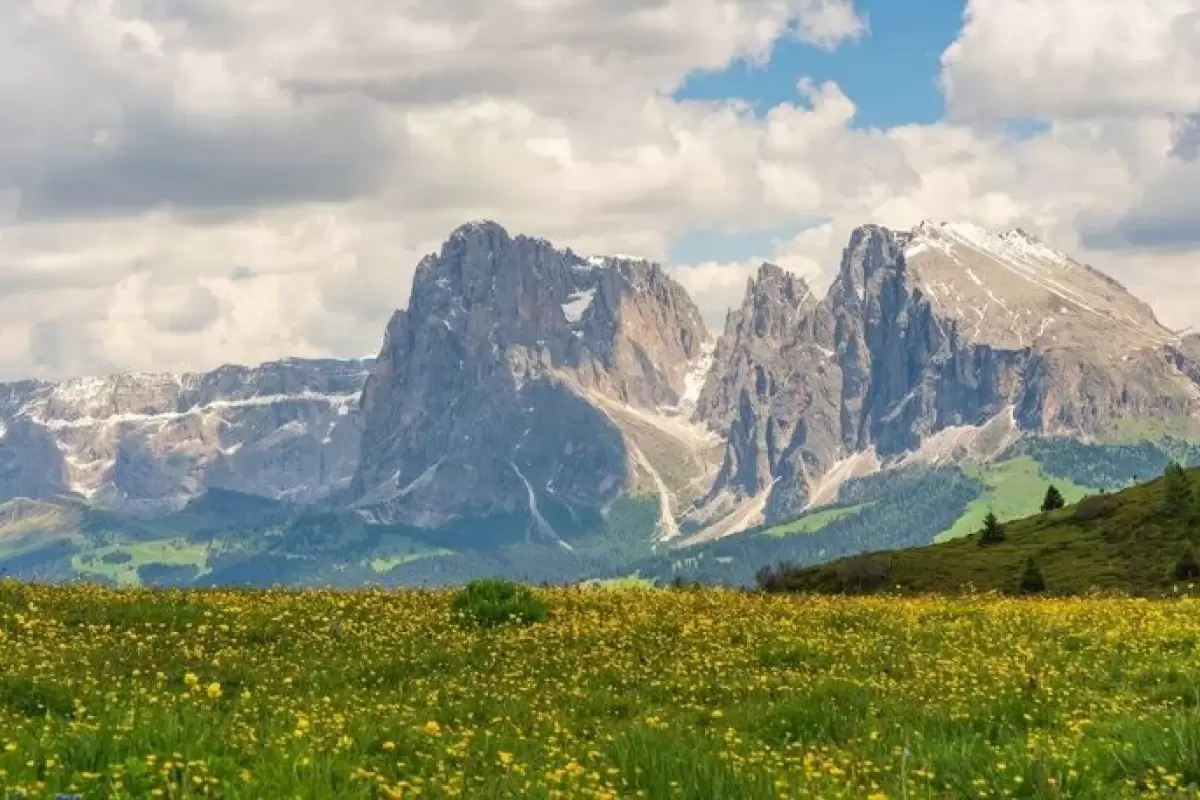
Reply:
x=557, y=416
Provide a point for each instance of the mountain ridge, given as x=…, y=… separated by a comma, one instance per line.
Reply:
x=530, y=384
x=482, y=383
x=937, y=330
x=148, y=442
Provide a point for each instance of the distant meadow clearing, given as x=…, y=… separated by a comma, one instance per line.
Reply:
x=629, y=692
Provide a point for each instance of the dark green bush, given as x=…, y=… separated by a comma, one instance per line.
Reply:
x=496, y=602
x=1053, y=500
x=992, y=532
x=12, y=596
x=774, y=579
x=680, y=583
x=1031, y=581
x=1186, y=568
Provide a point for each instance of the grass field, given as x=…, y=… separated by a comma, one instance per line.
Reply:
x=626, y=693
x=1122, y=542
x=1013, y=489
x=634, y=581
x=175, y=552
x=811, y=523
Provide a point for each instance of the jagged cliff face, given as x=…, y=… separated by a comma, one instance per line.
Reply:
x=527, y=380
x=946, y=341
x=771, y=392
x=149, y=443
x=505, y=385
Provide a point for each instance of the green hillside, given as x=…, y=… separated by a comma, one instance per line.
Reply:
x=813, y=522
x=224, y=538
x=1126, y=542
x=1012, y=490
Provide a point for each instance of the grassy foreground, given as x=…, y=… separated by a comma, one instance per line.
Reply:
x=623, y=693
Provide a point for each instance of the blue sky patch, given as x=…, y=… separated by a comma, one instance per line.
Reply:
x=891, y=74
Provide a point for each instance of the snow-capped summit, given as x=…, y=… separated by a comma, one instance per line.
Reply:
x=948, y=337
x=526, y=380
x=1013, y=290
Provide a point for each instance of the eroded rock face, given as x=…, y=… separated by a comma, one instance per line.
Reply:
x=771, y=389
x=148, y=443
x=479, y=403
x=528, y=380
x=944, y=327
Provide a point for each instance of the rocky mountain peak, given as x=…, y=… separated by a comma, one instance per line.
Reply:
x=872, y=250
x=774, y=301
x=526, y=382
x=772, y=280
x=505, y=340
x=948, y=328
x=1012, y=290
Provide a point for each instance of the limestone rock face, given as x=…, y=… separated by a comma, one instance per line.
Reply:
x=523, y=379
x=148, y=443
x=485, y=395
x=771, y=389
x=947, y=341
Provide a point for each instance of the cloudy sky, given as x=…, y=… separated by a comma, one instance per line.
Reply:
x=190, y=182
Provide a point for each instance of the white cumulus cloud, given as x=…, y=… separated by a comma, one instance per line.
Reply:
x=190, y=182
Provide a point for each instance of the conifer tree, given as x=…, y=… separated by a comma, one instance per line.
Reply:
x=1053, y=500
x=993, y=531
x=1177, y=491
x=1032, y=581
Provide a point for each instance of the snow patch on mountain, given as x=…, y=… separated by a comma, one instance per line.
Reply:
x=152, y=441
x=543, y=525
x=693, y=382
x=36, y=412
x=578, y=304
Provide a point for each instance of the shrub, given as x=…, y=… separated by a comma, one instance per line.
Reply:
x=1032, y=581
x=1177, y=491
x=772, y=579
x=993, y=531
x=1053, y=500
x=496, y=602
x=680, y=583
x=1186, y=568
x=12, y=596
